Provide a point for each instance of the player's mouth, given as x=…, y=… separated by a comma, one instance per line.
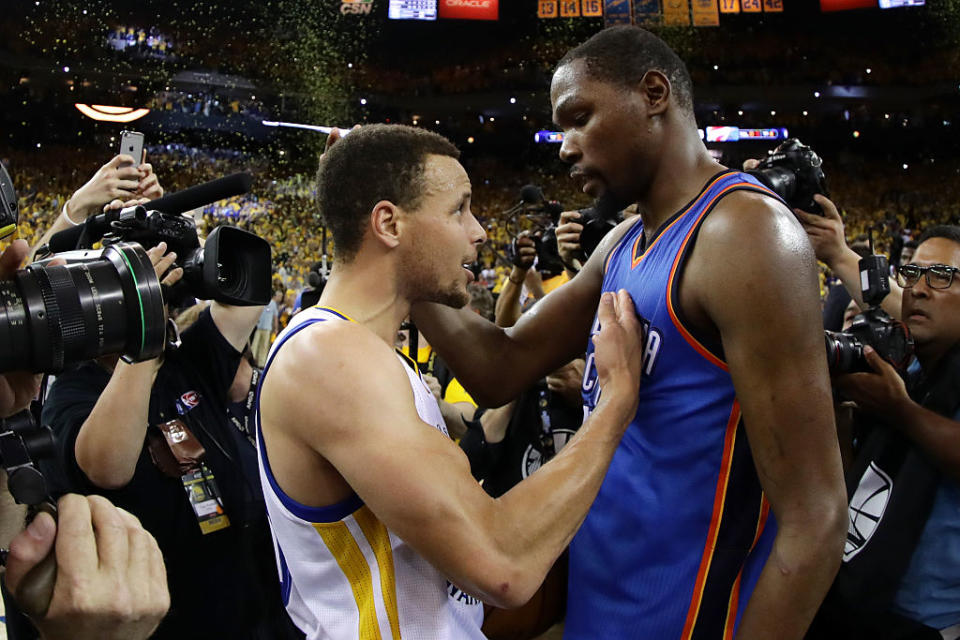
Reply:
x=588, y=181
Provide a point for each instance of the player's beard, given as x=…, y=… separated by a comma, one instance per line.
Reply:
x=419, y=279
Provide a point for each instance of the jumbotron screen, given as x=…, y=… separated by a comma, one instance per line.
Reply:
x=412, y=10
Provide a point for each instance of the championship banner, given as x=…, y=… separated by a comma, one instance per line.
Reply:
x=547, y=9
x=646, y=12
x=676, y=13
x=617, y=12
x=705, y=13
x=729, y=6
x=773, y=6
x=592, y=9
x=569, y=8
x=751, y=6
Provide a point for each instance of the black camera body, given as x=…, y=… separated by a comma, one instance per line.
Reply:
x=22, y=443
x=890, y=338
x=233, y=266
x=595, y=226
x=794, y=172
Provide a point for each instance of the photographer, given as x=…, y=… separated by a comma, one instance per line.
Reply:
x=110, y=580
x=902, y=557
x=155, y=437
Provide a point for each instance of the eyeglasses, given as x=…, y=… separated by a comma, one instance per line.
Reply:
x=939, y=276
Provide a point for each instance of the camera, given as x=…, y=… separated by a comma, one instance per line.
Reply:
x=233, y=265
x=544, y=214
x=794, y=172
x=596, y=225
x=890, y=338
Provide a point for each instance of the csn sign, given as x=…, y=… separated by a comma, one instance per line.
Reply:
x=356, y=7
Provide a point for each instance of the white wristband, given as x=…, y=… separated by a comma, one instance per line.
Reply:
x=64, y=215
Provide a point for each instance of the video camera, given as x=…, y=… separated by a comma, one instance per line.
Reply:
x=794, y=172
x=889, y=337
x=232, y=267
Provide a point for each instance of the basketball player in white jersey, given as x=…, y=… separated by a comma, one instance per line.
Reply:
x=379, y=528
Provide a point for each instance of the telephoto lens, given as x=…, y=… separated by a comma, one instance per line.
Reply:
x=100, y=303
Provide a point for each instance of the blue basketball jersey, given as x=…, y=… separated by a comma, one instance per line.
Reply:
x=680, y=530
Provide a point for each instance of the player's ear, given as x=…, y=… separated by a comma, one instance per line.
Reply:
x=385, y=223
x=655, y=89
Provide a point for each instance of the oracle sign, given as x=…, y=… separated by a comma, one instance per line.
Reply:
x=469, y=9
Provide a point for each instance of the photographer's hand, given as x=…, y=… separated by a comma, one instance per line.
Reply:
x=825, y=232
x=17, y=388
x=566, y=382
x=882, y=393
x=162, y=262
x=112, y=181
x=111, y=581
x=568, y=241
x=826, y=235
x=149, y=185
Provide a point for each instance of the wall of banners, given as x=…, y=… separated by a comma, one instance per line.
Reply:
x=673, y=13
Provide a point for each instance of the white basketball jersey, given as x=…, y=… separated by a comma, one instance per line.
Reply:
x=343, y=575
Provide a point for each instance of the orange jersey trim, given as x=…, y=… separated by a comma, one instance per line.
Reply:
x=687, y=335
x=637, y=259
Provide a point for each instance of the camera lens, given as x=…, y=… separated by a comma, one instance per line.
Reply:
x=781, y=180
x=844, y=352
x=231, y=275
x=53, y=316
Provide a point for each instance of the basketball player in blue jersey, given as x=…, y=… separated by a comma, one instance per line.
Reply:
x=722, y=513
x=380, y=531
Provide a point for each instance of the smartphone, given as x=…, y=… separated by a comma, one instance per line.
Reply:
x=131, y=143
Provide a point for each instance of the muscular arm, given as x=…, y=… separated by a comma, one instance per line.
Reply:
x=499, y=550
x=496, y=365
x=764, y=303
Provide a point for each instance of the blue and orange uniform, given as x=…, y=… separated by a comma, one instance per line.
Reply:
x=680, y=530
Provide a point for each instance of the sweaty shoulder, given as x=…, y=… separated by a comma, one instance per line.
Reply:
x=748, y=217
x=751, y=249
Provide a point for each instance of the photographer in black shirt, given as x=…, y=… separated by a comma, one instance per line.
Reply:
x=155, y=438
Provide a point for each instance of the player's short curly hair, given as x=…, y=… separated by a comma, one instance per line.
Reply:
x=623, y=54
x=375, y=162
